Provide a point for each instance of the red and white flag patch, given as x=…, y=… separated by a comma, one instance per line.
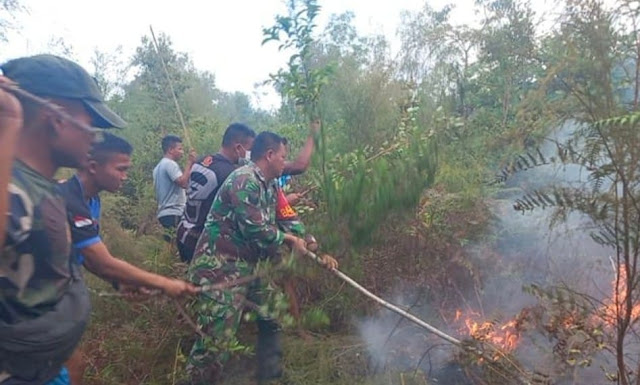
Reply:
x=79, y=221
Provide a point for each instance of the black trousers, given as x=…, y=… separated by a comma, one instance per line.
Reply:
x=169, y=221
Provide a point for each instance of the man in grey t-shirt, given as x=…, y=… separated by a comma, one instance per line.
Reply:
x=169, y=181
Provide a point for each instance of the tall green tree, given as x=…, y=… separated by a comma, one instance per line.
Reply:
x=362, y=187
x=146, y=102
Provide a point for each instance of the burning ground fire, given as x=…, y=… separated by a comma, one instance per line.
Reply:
x=614, y=307
x=504, y=336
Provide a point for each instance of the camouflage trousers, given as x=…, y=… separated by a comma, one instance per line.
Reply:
x=219, y=313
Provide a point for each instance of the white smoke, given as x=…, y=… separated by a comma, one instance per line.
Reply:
x=531, y=252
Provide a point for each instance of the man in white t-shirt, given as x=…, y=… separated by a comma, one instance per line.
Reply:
x=170, y=182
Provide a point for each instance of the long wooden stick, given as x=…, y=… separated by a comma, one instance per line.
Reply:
x=388, y=305
x=522, y=376
x=173, y=92
x=339, y=274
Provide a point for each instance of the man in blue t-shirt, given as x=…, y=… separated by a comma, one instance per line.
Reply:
x=106, y=170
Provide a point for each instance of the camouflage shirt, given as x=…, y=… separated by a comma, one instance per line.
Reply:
x=35, y=262
x=44, y=303
x=242, y=220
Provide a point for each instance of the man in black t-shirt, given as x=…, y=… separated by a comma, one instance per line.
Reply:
x=206, y=177
x=208, y=174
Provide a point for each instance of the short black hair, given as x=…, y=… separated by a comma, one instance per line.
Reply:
x=264, y=142
x=109, y=144
x=169, y=141
x=237, y=133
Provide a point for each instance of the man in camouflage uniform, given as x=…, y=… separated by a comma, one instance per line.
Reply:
x=203, y=184
x=242, y=231
x=44, y=304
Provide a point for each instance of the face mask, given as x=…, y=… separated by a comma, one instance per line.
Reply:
x=246, y=160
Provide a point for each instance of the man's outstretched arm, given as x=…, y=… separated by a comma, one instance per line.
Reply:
x=99, y=261
x=302, y=161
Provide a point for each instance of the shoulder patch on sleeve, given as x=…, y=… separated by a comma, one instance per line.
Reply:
x=207, y=161
x=80, y=221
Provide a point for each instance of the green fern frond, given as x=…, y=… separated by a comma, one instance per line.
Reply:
x=597, y=180
x=604, y=239
x=570, y=199
x=521, y=163
x=627, y=119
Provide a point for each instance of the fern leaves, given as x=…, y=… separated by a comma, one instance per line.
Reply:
x=566, y=199
x=521, y=163
x=566, y=153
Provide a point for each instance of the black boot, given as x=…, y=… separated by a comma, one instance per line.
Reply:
x=268, y=352
x=211, y=375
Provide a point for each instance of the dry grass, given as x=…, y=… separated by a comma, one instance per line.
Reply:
x=134, y=343
x=146, y=342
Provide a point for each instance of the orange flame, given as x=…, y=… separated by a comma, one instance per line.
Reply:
x=505, y=336
x=615, y=306
x=612, y=309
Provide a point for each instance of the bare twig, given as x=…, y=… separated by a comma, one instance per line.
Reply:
x=425, y=355
x=228, y=284
x=398, y=324
x=326, y=301
x=188, y=319
x=175, y=363
x=247, y=303
x=307, y=191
